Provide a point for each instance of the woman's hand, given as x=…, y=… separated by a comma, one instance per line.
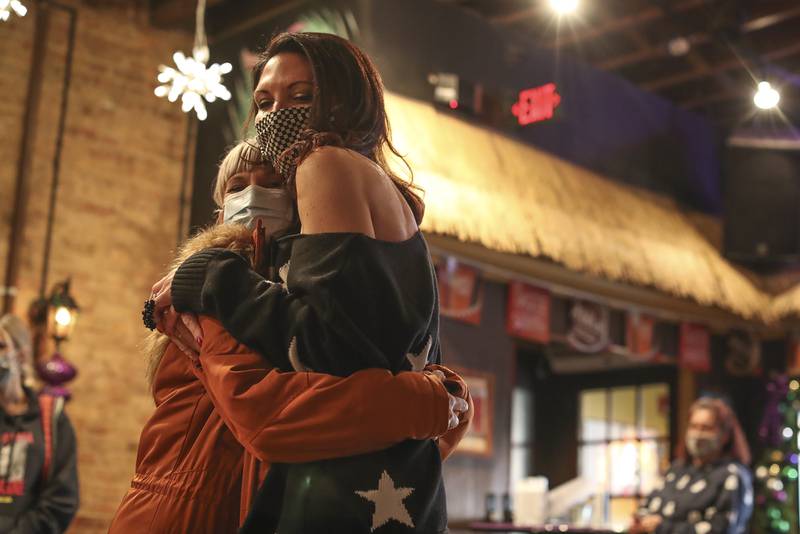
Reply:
x=458, y=408
x=646, y=524
x=162, y=293
x=458, y=405
x=183, y=329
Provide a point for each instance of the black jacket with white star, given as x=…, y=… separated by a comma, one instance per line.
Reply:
x=348, y=302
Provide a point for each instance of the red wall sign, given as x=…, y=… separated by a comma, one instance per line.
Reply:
x=640, y=336
x=460, y=292
x=528, y=312
x=695, y=348
x=537, y=104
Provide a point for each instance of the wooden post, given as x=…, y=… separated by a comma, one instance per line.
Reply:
x=21, y=186
x=686, y=395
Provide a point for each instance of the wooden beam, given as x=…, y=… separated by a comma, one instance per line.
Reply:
x=684, y=398
x=516, y=16
x=770, y=143
x=732, y=92
x=771, y=19
x=619, y=24
x=655, y=52
x=719, y=96
x=753, y=25
x=170, y=14
x=22, y=182
x=232, y=22
x=678, y=79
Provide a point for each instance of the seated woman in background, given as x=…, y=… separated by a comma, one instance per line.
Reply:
x=708, y=489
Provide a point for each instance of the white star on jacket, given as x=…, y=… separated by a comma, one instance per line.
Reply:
x=418, y=361
x=388, y=501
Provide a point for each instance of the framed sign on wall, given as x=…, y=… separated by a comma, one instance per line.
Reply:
x=478, y=439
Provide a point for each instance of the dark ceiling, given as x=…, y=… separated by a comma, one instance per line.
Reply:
x=732, y=45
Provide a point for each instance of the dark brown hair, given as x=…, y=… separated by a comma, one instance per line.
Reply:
x=347, y=109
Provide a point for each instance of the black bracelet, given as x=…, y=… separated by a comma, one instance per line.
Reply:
x=147, y=314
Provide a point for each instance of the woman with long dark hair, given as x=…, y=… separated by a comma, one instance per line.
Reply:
x=358, y=290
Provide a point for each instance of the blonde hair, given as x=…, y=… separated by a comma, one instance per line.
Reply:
x=20, y=334
x=236, y=237
x=243, y=157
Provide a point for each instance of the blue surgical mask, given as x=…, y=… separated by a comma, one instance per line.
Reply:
x=10, y=370
x=272, y=205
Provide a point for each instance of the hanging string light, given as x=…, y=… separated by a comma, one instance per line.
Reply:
x=9, y=6
x=193, y=81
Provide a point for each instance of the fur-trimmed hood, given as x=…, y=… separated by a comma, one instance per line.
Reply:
x=236, y=237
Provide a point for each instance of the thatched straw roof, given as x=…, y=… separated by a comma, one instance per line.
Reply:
x=486, y=188
x=786, y=305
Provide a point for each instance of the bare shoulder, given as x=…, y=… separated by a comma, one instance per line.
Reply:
x=333, y=155
x=330, y=163
x=331, y=192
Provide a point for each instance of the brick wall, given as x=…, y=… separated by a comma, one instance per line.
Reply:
x=116, y=219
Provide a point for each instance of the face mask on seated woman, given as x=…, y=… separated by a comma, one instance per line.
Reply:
x=702, y=444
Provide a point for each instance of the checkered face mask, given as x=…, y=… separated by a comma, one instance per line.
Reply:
x=277, y=131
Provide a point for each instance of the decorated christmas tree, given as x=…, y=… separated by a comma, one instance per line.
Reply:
x=776, y=494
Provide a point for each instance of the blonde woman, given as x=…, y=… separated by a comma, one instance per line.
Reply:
x=38, y=474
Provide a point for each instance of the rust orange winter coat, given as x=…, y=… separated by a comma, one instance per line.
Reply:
x=302, y=417
x=190, y=466
x=219, y=422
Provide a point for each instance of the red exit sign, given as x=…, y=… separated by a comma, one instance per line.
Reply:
x=537, y=104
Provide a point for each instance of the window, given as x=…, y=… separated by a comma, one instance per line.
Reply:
x=521, y=435
x=623, y=444
x=522, y=421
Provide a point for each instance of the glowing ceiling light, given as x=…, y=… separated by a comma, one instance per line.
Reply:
x=564, y=7
x=766, y=97
x=193, y=81
x=679, y=46
x=7, y=6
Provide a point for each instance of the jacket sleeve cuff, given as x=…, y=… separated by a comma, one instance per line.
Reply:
x=190, y=278
x=441, y=413
x=432, y=414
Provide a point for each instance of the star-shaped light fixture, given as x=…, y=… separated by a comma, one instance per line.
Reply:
x=11, y=6
x=192, y=79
